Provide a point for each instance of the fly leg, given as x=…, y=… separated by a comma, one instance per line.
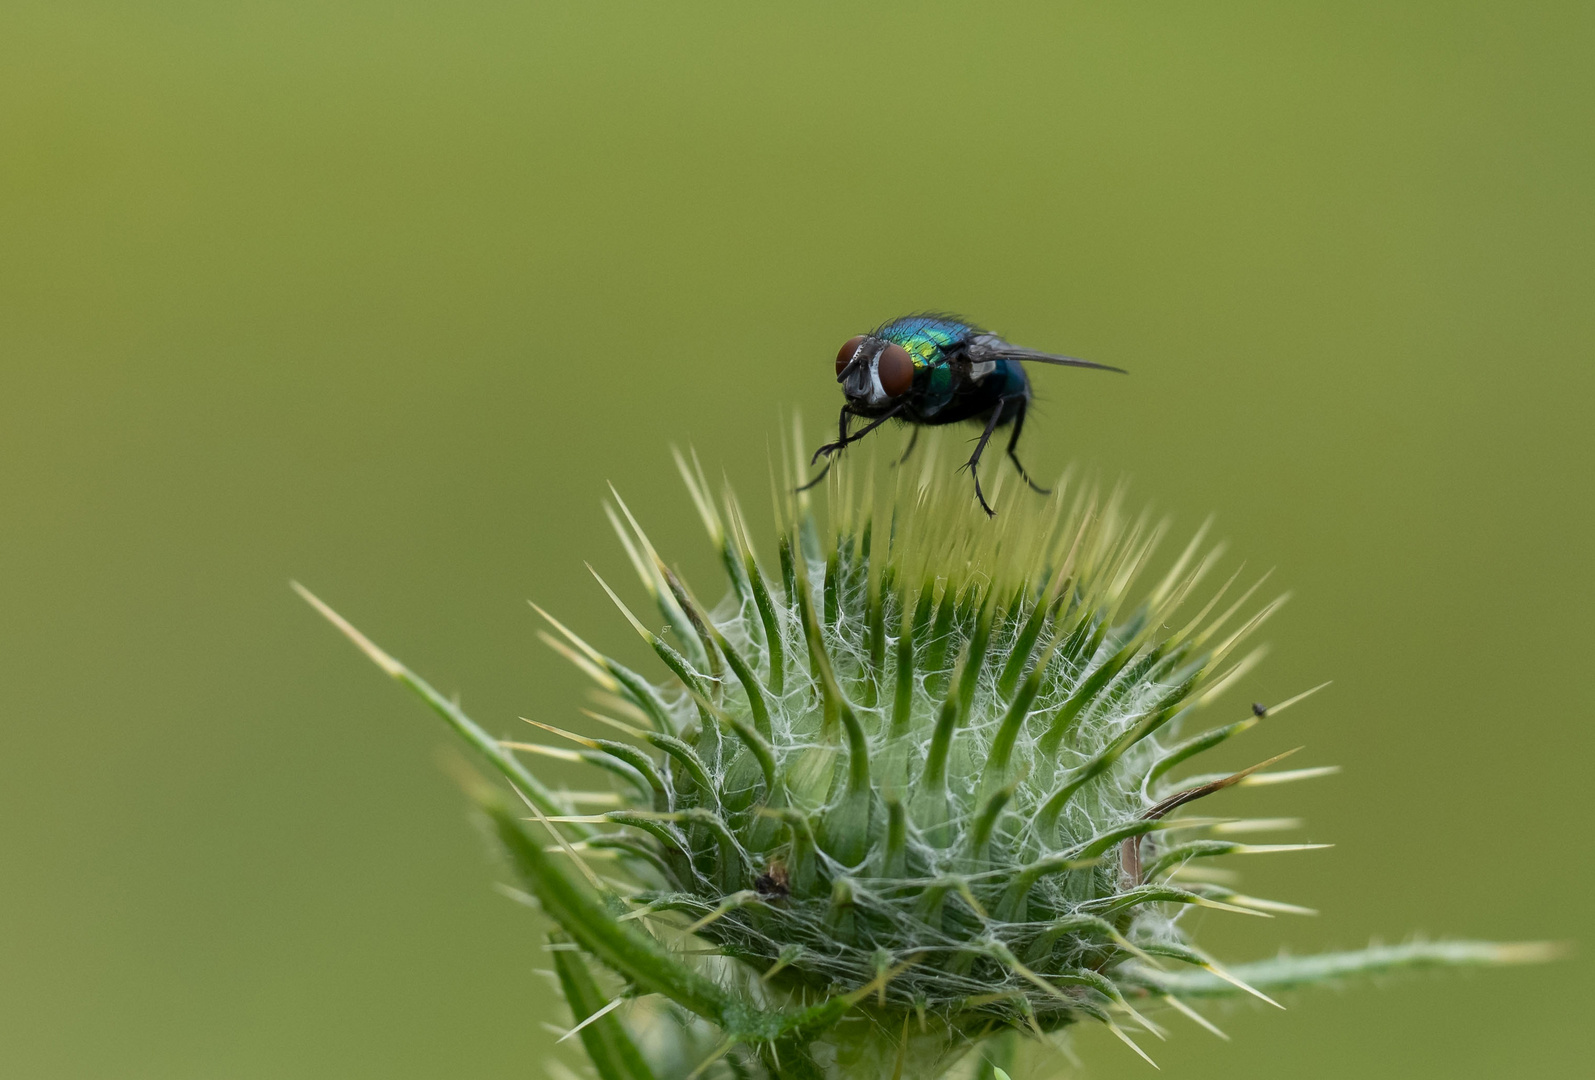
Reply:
x=973, y=464
x=830, y=448
x=1013, y=441
x=845, y=441
x=912, y=440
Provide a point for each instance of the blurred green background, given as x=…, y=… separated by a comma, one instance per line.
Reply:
x=378, y=296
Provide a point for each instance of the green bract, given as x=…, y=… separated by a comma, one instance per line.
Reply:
x=918, y=782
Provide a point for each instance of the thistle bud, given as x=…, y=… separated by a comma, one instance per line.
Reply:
x=922, y=783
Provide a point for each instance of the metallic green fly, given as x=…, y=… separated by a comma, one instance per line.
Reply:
x=928, y=370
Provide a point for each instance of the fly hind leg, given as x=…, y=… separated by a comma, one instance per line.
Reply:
x=1013, y=443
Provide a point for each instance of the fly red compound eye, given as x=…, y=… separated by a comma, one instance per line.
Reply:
x=847, y=352
x=896, y=371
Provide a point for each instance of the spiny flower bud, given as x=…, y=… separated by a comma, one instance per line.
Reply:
x=916, y=779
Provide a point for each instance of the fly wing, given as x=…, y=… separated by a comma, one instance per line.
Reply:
x=992, y=347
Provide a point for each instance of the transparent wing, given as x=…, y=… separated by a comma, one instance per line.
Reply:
x=991, y=347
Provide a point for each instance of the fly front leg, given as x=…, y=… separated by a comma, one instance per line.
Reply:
x=912, y=441
x=842, y=440
x=845, y=441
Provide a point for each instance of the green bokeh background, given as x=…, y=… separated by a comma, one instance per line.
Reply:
x=378, y=296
